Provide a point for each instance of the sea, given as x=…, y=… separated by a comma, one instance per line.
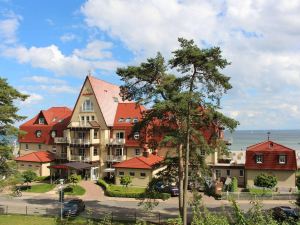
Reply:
x=241, y=139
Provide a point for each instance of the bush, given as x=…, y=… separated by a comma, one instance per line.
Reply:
x=74, y=179
x=29, y=176
x=234, y=185
x=42, y=178
x=103, y=184
x=125, y=180
x=298, y=182
x=264, y=180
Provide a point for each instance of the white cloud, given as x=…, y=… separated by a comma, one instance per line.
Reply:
x=33, y=99
x=68, y=37
x=260, y=38
x=44, y=80
x=95, y=50
x=8, y=28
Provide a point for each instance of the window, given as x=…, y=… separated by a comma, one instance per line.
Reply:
x=41, y=120
x=132, y=174
x=135, y=120
x=259, y=158
x=121, y=173
x=54, y=148
x=282, y=159
x=115, y=99
x=136, y=135
x=120, y=135
x=228, y=173
x=95, y=134
x=64, y=150
x=53, y=133
x=121, y=120
x=87, y=118
x=202, y=152
x=93, y=118
x=87, y=106
x=81, y=152
x=38, y=133
x=82, y=118
x=40, y=146
x=137, y=151
x=22, y=164
x=29, y=165
x=95, y=151
x=128, y=120
x=143, y=174
x=241, y=173
x=26, y=147
x=218, y=174
x=119, y=151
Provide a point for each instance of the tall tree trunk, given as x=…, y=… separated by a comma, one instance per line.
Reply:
x=180, y=178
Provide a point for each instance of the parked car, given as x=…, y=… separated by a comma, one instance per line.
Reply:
x=173, y=190
x=73, y=207
x=282, y=213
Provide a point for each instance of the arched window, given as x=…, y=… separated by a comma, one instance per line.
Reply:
x=38, y=133
x=87, y=106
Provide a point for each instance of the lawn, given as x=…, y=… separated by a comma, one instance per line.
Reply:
x=26, y=220
x=260, y=192
x=74, y=190
x=39, y=188
x=121, y=189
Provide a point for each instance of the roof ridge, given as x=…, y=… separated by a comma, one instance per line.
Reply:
x=93, y=77
x=259, y=143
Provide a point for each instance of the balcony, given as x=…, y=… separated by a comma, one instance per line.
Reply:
x=84, y=124
x=114, y=141
x=79, y=158
x=115, y=158
x=80, y=142
x=60, y=140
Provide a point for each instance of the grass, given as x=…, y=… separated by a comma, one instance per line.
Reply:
x=129, y=190
x=74, y=190
x=39, y=188
x=26, y=220
x=259, y=192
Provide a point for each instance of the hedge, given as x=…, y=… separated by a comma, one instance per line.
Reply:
x=113, y=193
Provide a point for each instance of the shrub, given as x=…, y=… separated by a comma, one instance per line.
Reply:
x=74, y=179
x=42, y=178
x=298, y=182
x=103, y=184
x=29, y=176
x=264, y=180
x=125, y=180
x=234, y=185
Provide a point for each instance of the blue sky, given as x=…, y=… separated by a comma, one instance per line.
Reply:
x=48, y=47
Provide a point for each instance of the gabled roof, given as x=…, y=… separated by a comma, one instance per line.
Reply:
x=108, y=98
x=57, y=118
x=140, y=162
x=270, y=152
x=40, y=156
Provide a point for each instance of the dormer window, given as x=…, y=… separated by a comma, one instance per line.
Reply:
x=128, y=120
x=41, y=120
x=136, y=135
x=38, y=133
x=282, y=159
x=135, y=120
x=53, y=133
x=121, y=120
x=259, y=158
x=87, y=106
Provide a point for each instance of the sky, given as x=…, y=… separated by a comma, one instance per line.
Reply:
x=48, y=47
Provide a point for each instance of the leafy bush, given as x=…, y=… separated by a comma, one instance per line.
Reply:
x=234, y=185
x=125, y=180
x=264, y=180
x=29, y=176
x=103, y=184
x=74, y=179
x=42, y=178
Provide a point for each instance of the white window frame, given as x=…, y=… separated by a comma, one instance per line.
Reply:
x=26, y=147
x=137, y=151
x=54, y=148
x=135, y=120
x=118, y=135
x=119, y=151
x=121, y=175
x=142, y=175
x=282, y=159
x=136, y=135
x=218, y=173
x=87, y=106
x=40, y=146
x=38, y=133
x=132, y=174
x=128, y=120
x=259, y=159
x=41, y=120
x=228, y=174
x=95, y=134
x=243, y=172
x=95, y=149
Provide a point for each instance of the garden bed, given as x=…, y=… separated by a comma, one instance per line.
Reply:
x=74, y=190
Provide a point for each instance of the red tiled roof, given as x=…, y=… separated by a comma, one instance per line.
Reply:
x=56, y=118
x=40, y=156
x=128, y=110
x=270, y=151
x=140, y=162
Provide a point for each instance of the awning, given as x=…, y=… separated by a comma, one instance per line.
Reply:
x=109, y=170
x=58, y=167
x=72, y=165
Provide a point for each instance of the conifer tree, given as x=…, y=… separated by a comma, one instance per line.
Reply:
x=186, y=104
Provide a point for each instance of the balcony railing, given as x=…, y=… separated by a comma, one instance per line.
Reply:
x=80, y=142
x=115, y=158
x=60, y=140
x=80, y=124
x=117, y=141
x=79, y=158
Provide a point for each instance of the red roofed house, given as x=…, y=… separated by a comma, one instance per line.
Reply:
x=36, y=161
x=274, y=159
x=141, y=169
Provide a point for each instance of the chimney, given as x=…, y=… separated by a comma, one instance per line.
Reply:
x=146, y=153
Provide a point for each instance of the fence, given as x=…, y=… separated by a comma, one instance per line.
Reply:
x=250, y=196
x=117, y=215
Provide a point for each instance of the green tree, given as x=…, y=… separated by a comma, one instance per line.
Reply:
x=74, y=179
x=234, y=185
x=125, y=180
x=186, y=105
x=8, y=116
x=298, y=182
x=29, y=176
x=264, y=180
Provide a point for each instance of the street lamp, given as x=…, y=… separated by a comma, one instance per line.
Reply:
x=61, y=198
